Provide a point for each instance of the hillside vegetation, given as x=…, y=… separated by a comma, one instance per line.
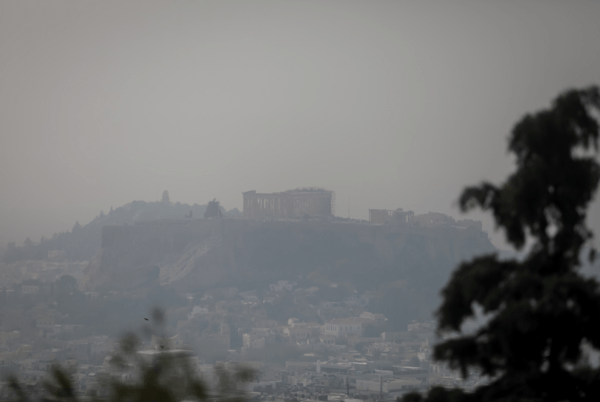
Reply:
x=83, y=242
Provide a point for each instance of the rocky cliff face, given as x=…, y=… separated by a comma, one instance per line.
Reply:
x=202, y=264
x=192, y=255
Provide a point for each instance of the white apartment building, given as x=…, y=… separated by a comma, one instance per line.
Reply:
x=343, y=327
x=280, y=286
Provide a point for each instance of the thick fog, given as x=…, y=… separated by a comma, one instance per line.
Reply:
x=279, y=178
x=393, y=104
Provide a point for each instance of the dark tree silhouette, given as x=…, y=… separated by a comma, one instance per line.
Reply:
x=541, y=310
x=213, y=209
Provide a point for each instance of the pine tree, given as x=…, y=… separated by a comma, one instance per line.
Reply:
x=541, y=310
x=213, y=209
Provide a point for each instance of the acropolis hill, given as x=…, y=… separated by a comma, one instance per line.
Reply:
x=194, y=254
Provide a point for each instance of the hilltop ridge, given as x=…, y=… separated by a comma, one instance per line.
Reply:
x=83, y=241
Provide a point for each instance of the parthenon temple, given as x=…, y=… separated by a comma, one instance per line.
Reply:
x=288, y=204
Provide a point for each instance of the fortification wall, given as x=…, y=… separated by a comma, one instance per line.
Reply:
x=201, y=253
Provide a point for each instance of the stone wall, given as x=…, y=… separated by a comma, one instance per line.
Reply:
x=201, y=253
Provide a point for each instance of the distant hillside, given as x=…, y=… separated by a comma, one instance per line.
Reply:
x=83, y=242
x=249, y=254
x=405, y=264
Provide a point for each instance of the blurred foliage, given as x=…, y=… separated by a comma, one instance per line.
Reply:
x=164, y=375
x=541, y=310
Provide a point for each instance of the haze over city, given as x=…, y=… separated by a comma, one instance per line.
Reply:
x=259, y=201
x=389, y=104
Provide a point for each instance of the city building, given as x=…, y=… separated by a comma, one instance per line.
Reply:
x=343, y=326
x=385, y=216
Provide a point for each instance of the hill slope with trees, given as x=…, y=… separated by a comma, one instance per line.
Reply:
x=83, y=242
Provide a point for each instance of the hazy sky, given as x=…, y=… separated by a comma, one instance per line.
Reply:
x=388, y=103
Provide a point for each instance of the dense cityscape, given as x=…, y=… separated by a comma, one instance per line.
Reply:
x=299, y=201
x=306, y=337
